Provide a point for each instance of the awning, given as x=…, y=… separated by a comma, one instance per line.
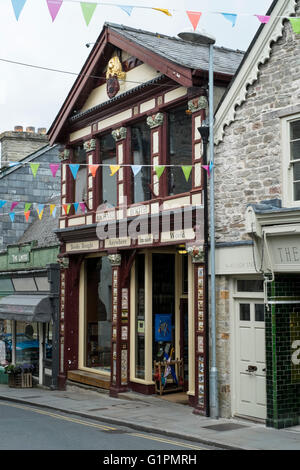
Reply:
x=30, y=308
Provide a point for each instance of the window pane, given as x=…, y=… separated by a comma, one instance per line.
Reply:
x=98, y=313
x=295, y=150
x=180, y=149
x=295, y=130
x=141, y=155
x=80, y=182
x=254, y=285
x=24, y=284
x=140, y=317
x=259, y=312
x=245, y=312
x=296, y=191
x=108, y=157
x=296, y=170
x=6, y=285
x=27, y=345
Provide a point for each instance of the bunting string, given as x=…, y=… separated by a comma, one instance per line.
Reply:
x=88, y=10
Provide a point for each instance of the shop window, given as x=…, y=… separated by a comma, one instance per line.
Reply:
x=180, y=149
x=141, y=155
x=25, y=284
x=140, y=317
x=98, y=320
x=27, y=345
x=42, y=283
x=250, y=285
x=295, y=157
x=163, y=304
x=80, y=183
x=108, y=157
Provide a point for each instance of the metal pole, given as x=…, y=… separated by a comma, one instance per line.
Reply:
x=214, y=404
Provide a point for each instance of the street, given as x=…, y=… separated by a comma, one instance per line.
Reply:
x=24, y=427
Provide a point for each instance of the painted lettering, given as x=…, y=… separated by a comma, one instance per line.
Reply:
x=296, y=354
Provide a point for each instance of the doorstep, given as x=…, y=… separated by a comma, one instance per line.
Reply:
x=89, y=378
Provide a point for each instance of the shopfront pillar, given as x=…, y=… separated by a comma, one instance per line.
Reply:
x=120, y=328
x=200, y=320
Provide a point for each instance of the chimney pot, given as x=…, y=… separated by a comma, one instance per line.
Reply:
x=18, y=129
x=30, y=129
x=42, y=130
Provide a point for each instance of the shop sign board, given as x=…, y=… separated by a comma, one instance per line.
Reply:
x=82, y=246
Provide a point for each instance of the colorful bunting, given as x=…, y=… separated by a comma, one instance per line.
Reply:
x=74, y=167
x=54, y=167
x=27, y=206
x=52, y=210
x=2, y=202
x=93, y=169
x=40, y=210
x=18, y=7
x=114, y=169
x=12, y=216
x=128, y=9
x=66, y=208
x=295, y=22
x=186, y=171
x=194, y=17
x=75, y=204
x=27, y=214
x=230, y=17
x=54, y=6
x=163, y=10
x=211, y=165
x=206, y=167
x=136, y=169
x=82, y=206
x=263, y=18
x=34, y=168
x=14, y=204
x=13, y=164
x=159, y=169
x=88, y=10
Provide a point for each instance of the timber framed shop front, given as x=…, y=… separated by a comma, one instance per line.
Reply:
x=133, y=298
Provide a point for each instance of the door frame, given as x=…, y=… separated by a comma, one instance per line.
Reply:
x=184, y=300
x=233, y=298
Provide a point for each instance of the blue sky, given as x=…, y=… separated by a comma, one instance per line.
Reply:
x=32, y=97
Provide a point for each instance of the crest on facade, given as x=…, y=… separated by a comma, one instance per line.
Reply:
x=114, y=73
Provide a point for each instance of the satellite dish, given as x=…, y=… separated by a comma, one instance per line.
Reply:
x=198, y=37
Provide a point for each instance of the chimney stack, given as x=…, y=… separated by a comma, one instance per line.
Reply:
x=18, y=144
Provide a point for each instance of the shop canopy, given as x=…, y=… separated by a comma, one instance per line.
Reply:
x=29, y=308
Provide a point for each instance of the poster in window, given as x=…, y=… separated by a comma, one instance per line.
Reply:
x=163, y=327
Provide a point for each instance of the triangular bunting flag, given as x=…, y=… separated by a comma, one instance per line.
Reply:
x=159, y=170
x=18, y=7
x=88, y=11
x=52, y=210
x=54, y=167
x=128, y=9
x=12, y=216
x=295, y=22
x=13, y=164
x=82, y=206
x=263, y=18
x=206, y=167
x=211, y=165
x=66, y=208
x=2, y=202
x=75, y=204
x=74, y=167
x=136, y=169
x=186, y=171
x=14, y=204
x=93, y=169
x=230, y=17
x=40, y=210
x=27, y=214
x=194, y=17
x=114, y=169
x=34, y=168
x=27, y=206
x=54, y=6
x=163, y=10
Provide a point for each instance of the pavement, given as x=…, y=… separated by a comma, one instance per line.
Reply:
x=157, y=415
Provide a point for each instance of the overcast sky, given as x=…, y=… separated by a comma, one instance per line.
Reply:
x=32, y=97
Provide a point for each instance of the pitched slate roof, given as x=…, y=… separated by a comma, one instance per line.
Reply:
x=185, y=53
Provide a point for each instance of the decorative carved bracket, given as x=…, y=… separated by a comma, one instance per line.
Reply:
x=197, y=253
x=115, y=260
x=155, y=120
x=197, y=103
x=119, y=134
x=64, y=154
x=89, y=145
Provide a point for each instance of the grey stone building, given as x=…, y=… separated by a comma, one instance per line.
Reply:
x=257, y=212
x=17, y=183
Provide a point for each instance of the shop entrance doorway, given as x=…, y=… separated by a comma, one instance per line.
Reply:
x=169, y=323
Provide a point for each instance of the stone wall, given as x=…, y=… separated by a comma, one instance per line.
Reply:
x=17, y=145
x=248, y=160
x=18, y=184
